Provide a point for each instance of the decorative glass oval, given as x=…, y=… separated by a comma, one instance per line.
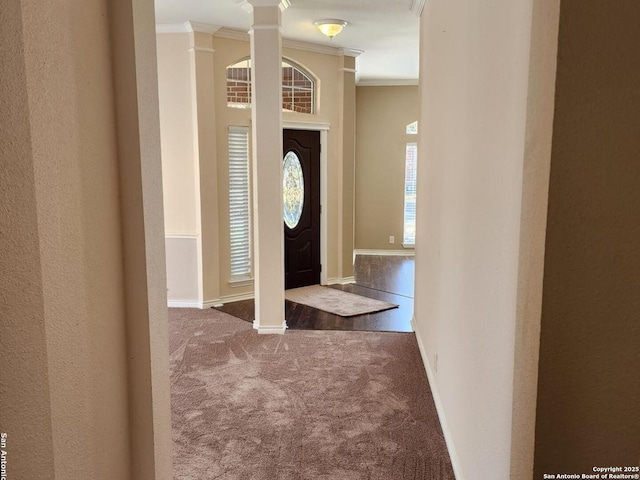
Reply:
x=292, y=190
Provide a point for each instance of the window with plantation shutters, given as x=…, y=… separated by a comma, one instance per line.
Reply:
x=411, y=163
x=410, y=167
x=239, y=203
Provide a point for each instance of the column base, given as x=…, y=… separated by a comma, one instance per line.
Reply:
x=270, y=330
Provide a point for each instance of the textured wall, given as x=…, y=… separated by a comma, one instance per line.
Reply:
x=474, y=87
x=71, y=369
x=535, y=193
x=25, y=411
x=145, y=283
x=347, y=132
x=383, y=114
x=68, y=166
x=589, y=379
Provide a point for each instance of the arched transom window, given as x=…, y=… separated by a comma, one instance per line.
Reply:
x=298, y=87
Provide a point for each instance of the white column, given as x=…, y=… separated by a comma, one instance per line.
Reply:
x=206, y=166
x=347, y=133
x=266, y=115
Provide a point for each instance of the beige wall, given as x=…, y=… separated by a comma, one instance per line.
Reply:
x=66, y=376
x=382, y=116
x=187, y=113
x=138, y=130
x=75, y=178
x=347, y=132
x=589, y=384
x=180, y=169
x=476, y=77
x=535, y=188
x=177, y=133
x=25, y=401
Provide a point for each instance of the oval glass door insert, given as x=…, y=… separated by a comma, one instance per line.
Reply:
x=292, y=190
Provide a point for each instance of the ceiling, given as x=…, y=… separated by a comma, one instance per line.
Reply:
x=385, y=30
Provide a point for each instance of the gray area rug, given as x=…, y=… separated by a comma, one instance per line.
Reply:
x=336, y=301
x=307, y=405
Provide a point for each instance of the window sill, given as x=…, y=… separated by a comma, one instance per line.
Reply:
x=241, y=282
x=410, y=246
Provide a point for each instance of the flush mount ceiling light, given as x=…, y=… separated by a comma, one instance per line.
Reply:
x=330, y=26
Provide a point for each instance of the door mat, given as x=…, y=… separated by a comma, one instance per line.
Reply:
x=335, y=301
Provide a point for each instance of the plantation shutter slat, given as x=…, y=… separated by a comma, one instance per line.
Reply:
x=410, y=194
x=239, y=202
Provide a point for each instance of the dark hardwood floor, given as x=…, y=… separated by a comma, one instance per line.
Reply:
x=380, y=277
x=389, y=274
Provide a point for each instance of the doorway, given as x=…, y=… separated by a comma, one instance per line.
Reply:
x=301, y=192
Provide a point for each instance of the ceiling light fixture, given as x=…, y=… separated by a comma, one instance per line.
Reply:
x=330, y=26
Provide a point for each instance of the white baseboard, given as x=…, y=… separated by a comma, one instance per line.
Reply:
x=184, y=304
x=340, y=281
x=236, y=298
x=193, y=304
x=409, y=252
x=212, y=303
x=270, y=330
x=455, y=462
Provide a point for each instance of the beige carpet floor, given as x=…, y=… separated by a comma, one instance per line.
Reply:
x=307, y=405
x=335, y=301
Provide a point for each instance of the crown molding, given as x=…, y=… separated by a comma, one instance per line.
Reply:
x=243, y=36
x=286, y=43
x=187, y=27
x=310, y=47
x=417, y=6
x=350, y=52
x=387, y=82
x=232, y=34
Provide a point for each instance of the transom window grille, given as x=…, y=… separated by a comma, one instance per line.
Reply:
x=298, y=87
x=239, y=85
x=239, y=203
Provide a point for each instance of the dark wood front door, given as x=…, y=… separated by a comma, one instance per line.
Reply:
x=302, y=208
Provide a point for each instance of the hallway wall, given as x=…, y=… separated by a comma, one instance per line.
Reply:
x=64, y=362
x=79, y=396
x=478, y=133
x=382, y=116
x=178, y=164
x=588, y=410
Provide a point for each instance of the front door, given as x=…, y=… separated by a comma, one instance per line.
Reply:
x=301, y=195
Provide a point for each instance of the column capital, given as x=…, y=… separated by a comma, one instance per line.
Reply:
x=248, y=5
x=202, y=27
x=350, y=52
